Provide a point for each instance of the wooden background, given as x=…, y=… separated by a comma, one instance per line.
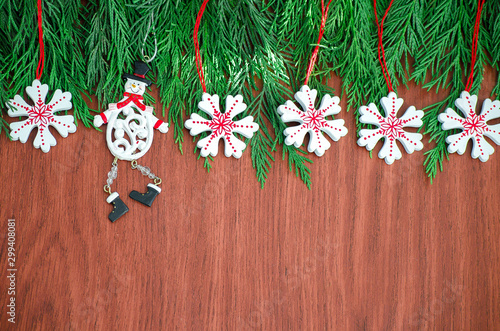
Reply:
x=369, y=247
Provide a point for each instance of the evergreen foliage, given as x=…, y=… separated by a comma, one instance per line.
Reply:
x=259, y=49
x=65, y=31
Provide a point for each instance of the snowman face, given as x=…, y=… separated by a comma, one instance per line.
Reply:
x=135, y=87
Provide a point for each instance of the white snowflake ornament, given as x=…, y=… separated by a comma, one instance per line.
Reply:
x=41, y=115
x=474, y=126
x=312, y=120
x=221, y=125
x=391, y=127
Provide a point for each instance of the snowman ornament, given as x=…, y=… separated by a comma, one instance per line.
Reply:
x=130, y=136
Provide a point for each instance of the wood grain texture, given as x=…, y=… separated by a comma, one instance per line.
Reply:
x=369, y=247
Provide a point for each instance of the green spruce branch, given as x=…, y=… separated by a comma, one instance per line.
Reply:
x=65, y=63
x=259, y=49
x=444, y=63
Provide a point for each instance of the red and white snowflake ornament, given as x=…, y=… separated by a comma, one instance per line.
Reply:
x=221, y=125
x=41, y=115
x=312, y=120
x=391, y=127
x=474, y=126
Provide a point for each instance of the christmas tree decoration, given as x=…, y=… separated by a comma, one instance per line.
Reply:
x=40, y=114
x=440, y=64
x=390, y=127
x=129, y=134
x=64, y=28
x=473, y=126
x=311, y=120
x=220, y=125
x=130, y=138
x=258, y=50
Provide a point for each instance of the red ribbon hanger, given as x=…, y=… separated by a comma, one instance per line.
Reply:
x=324, y=14
x=475, y=36
x=199, y=65
x=381, y=51
x=41, y=61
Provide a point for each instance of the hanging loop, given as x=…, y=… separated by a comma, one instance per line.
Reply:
x=380, y=47
x=107, y=189
x=41, y=61
x=475, y=36
x=199, y=64
x=147, y=58
x=324, y=15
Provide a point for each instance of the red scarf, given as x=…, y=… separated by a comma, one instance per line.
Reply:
x=135, y=98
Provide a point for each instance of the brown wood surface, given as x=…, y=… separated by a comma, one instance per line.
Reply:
x=369, y=247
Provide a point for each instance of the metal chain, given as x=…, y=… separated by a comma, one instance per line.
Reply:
x=146, y=172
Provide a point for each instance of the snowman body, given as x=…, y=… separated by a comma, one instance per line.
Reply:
x=130, y=137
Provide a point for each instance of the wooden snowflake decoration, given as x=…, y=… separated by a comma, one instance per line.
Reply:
x=390, y=128
x=312, y=121
x=41, y=115
x=473, y=126
x=221, y=125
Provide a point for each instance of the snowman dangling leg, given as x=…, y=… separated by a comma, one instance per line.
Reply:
x=131, y=136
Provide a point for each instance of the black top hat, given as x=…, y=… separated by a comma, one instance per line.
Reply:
x=141, y=69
